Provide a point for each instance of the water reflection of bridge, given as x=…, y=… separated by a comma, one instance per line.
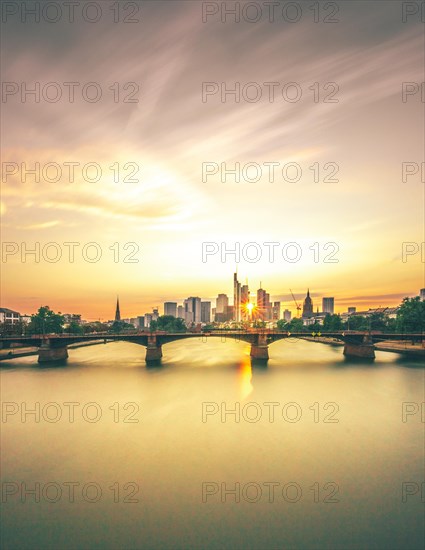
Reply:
x=52, y=347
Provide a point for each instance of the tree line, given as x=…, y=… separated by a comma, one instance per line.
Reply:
x=46, y=321
x=410, y=318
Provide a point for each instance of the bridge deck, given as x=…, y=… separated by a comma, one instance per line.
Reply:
x=272, y=335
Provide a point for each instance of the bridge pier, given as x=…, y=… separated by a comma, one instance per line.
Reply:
x=260, y=349
x=47, y=353
x=153, y=350
x=153, y=354
x=364, y=350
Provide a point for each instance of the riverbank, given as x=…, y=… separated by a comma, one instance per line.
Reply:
x=28, y=352
x=403, y=347
x=393, y=346
x=324, y=340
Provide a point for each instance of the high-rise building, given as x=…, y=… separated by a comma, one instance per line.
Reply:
x=308, y=306
x=229, y=315
x=269, y=308
x=261, y=303
x=244, y=303
x=141, y=321
x=244, y=294
x=205, y=312
x=155, y=314
x=236, y=298
x=117, y=311
x=422, y=294
x=222, y=303
x=170, y=308
x=276, y=311
x=223, y=312
x=287, y=315
x=180, y=312
x=148, y=319
x=264, y=309
x=328, y=305
x=192, y=310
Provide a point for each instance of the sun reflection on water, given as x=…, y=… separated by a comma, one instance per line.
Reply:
x=245, y=377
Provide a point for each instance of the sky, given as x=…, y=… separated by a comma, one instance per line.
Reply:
x=163, y=144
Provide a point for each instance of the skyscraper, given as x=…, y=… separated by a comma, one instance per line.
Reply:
x=308, y=306
x=276, y=311
x=170, y=308
x=205, y=312
x=222, y=308
x=264, y=306
x=180, y=312
x=328, y=305
x=117, y=311
x=422, y=294
x=287, y=315
x=269, y=308
x=236, y=298
x=244, y=302
x=192, y=310
x=222, y=303
x=261, y=303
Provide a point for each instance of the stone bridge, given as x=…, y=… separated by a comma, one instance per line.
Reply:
x=53, y=347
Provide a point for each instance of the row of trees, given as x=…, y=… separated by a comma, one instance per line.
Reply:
x=169, y=324
x=46, y=321
x=410, y=318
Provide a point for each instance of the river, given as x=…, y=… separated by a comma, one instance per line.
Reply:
x=315, y=455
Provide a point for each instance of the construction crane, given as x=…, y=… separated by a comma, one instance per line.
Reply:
x=296, y=303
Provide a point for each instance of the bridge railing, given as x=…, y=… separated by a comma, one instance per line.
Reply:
x=218, y=332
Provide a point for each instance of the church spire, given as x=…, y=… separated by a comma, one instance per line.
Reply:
x=308, y=306
x=117, y=311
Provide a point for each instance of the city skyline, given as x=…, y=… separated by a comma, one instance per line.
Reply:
x=95, y=303
x=339, y=306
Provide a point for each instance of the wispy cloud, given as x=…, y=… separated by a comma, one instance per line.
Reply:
x=170, y=132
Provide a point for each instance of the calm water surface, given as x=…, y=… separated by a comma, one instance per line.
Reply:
x=171, y=453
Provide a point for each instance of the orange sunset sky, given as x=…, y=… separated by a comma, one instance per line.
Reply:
x=169, y=211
